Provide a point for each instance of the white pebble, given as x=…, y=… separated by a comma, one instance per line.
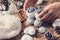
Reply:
x=30, y=21
x=26, y=37
x=39, y=1
x=37, y=23
x=56, y=23
x=30, y=30
x=41, y=29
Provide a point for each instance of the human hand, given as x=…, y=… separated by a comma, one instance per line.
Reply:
x=51, y=12
x=29, y=3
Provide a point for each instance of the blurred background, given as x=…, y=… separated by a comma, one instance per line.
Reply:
x=4, y=4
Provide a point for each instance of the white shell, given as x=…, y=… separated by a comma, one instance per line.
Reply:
x=42, y=29
x=30, y=30
x=26, y=37
x=37, y=23
x=10, y=26
x=56, y=23
x=39, y=2
x=30, y=21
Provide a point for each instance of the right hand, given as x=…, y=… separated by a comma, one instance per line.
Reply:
x=50, y=12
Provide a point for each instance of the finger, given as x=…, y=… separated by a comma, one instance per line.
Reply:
x=51, y=16
x=55, y=16
x=25, y=7
x=46, y=16
x=42, y=13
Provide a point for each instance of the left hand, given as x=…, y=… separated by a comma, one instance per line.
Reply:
x=51, y=12
x=28, y=3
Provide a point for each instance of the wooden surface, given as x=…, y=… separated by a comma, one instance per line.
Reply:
x=39, y=36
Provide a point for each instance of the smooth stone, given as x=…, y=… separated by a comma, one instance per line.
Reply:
x=42, y=29
x=37, y=23
x=26, y=37
x=30, y=30
x=56, y=23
